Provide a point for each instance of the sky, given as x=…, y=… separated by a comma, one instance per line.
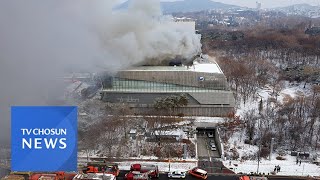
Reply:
x=265, y=3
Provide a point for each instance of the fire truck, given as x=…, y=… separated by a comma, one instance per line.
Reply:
x=39, y=176
x=95, y=176
x=152, y=170
x=102, y=167
x=252, y=178
x=136, y=175
x=52, y=176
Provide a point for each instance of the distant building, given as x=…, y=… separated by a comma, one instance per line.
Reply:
x=187, y=23
x=258, y=5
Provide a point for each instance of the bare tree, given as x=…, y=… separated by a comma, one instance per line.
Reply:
x=86, y=140
x=109, y=134
x=169, y=103
x=250, y=119
x=122, y=113
x=317, y=138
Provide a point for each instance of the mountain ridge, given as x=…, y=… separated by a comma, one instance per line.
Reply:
x=186, y=6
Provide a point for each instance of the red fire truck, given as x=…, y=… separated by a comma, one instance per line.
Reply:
x=152, y=170
x=102, y=167
x=136, y=175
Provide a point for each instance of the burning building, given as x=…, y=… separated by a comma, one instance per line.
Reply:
x=203, y=83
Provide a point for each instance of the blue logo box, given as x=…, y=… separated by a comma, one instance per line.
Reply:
x=44, y=138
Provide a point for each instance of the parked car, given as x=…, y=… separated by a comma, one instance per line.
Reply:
x=213, y=147
x=199, y=173
x=177, y=174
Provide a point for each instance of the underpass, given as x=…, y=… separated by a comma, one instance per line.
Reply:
x=204, y=151
x=209, y=160
x=203, y=146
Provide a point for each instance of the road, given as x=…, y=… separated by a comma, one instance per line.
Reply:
x=203, y=148
x=188, y=177
x=208, y=159
x=163, y=176
x=214, y=177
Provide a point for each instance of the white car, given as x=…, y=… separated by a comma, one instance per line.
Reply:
x=213, y=147
x=177, y=174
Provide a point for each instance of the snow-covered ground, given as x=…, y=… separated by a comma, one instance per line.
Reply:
x=175, y=164
x=288, y=166
x=237, y=142
x=288, y=90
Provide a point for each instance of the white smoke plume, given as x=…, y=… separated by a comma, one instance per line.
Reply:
x=42, y=39
x=141, y=33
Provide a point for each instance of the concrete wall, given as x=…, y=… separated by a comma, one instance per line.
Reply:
x=142, y=103
x=219, y=142
x=188, y=111
x=214, y=98
x=144, y=99
x=139, y=99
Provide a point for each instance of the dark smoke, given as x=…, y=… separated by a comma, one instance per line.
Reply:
x=42, y=39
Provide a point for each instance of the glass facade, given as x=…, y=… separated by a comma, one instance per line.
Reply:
x=128, y=85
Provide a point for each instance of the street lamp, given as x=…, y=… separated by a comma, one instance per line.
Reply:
x=258, y=158
x=271, y=148
x=169, y=158
x=259, y=125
